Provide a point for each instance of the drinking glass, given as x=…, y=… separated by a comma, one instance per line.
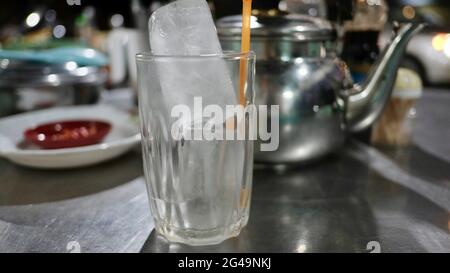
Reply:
x=199, y=190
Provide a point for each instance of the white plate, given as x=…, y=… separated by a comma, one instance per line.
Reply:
x=123, y=136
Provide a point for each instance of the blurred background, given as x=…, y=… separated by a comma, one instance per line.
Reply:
x=117, y=29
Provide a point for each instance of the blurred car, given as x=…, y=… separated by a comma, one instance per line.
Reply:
x=428, y=54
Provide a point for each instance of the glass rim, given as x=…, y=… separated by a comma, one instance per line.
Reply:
x=230, y=55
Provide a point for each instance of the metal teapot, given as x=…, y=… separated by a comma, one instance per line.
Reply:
x=298, y=70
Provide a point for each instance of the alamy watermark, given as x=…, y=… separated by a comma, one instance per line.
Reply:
x=374, y=247
x=235, y=122
x=73, y=2
x=73, y=247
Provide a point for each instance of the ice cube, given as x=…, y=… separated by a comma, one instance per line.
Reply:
x=186, y=27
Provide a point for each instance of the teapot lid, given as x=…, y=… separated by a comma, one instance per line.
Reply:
x=292, y=26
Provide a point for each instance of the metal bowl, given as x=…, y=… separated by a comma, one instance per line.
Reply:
x=27, y=86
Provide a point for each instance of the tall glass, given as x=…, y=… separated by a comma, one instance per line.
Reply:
x=199, y=190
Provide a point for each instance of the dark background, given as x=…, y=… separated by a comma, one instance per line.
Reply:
x=15, y=12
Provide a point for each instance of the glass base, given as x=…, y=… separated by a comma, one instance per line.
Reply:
x=200, y=237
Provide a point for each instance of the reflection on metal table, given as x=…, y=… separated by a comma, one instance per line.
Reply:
x=397, y=198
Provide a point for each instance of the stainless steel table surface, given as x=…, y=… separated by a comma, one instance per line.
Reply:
x=397, y=198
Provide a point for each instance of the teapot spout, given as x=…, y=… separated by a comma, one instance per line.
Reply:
x=365, y=103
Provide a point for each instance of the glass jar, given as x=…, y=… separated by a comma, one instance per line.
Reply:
x=395, y=126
